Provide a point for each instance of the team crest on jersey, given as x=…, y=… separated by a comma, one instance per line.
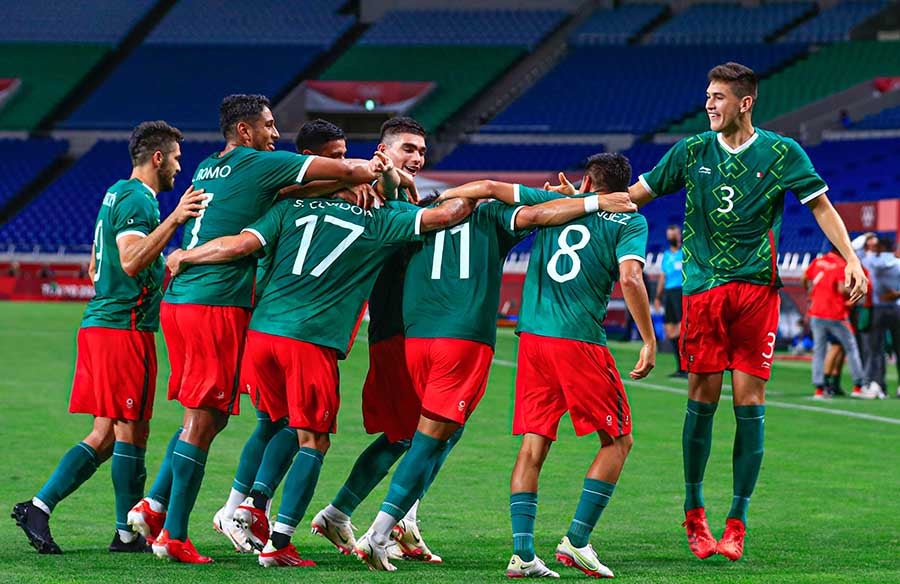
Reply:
x=759, y=175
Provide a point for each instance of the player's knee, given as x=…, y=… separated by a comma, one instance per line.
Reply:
x=624, y=444
x=320, y=441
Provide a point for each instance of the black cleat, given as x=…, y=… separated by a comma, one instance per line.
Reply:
x=36, y=525
x=138, y=545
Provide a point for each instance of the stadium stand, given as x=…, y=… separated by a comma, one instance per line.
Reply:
x=617, y=26
x=884, y=120
x=832, y=69
x=63, y=215
x=835, y=23
x=181, y=76
x=702, y=23
x=22, y=161
x=859, y=170
x=620, y=88
x=518, y=156
x=85, y=21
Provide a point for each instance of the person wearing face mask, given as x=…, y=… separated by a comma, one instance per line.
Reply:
x=668, y=293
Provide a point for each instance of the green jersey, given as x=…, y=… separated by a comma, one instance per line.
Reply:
x=325, y=256
x=572, y=270
x=122, y=302
x=734, y=205
x=240, y=187
x=386, y=301
x=452, y=284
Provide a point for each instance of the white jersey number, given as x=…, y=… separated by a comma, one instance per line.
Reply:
x=438, y=260
x=309, y=226
x=195, y=232
x=570, y=251
x=98, y=249
x=728, y=203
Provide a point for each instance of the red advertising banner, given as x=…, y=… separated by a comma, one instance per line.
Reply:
x=57, y=289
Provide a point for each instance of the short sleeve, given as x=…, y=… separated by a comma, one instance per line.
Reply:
x=800, y=177
x=531, y=196
x=393, y=225
x=503, y=218
x=134, y=214
x=268, y=227
x=281, y=169
x=632, y=243
x=668, y=174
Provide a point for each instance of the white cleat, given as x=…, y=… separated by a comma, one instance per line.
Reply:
x=394, y=552
x=873, y=391
x=252, y=523
x=536, y=568
x=583, y=558
x=225, y=526
x=412, y=546
x=374, y=555
x=338, y=533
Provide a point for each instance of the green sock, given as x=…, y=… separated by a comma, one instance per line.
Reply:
x=252, y=453
x=412, y=472
x=162, y=485
x=451, y=442
x=276, y=461
x=523, y=510
x=188, y=463
x=594, y=497
x=696, y=441
x=76, y=466
x=129, y=474
x=747, y=456
x=299, y=486
x=370, y=469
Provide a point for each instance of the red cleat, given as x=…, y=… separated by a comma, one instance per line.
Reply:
x=253, y=523
x=285, y=557
x=732, y=543
x=178, y=551
x=700, y=539
x=146, y=521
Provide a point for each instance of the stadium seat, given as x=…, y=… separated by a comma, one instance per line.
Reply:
x=470, y=156
x=22, y=161
x=702, y=23
x=888, y=119
x=616, y=27
x=85, y=21
x=835, y=23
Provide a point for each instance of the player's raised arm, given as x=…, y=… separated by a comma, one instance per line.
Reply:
x=631, y=279
x=556, y=212
x=446, y=214
x=514, y=194
x=349, y=170
x=218, y=251
x=639, y=194
x=833, y=227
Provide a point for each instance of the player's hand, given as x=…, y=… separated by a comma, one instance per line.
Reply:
x=646, y=362
x=855, y=281
x=564, y=187
x=407, y=182
x=361, y=195
x=657, y=305
x=380, y=163
x=616, y=203
x=175, y=262
x=189, y=205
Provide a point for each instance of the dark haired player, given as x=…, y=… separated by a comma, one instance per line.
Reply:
x=115, y=371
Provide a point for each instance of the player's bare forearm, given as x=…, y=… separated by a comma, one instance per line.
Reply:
x=481, y=189
x=447, y=214
x=388, y=184
x=222, y=250
x=554, y=212
x=632, y=282
x=136, y=253
x=836, y=232
x=348, y=170
x=311, y=190
x=92, y=266
x=639, y=194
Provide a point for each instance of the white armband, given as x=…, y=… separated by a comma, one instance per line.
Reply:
x=592, y=204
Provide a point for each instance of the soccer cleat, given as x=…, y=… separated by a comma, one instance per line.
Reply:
x=394, y=552
x=145, y=520
x=409, y=540
x=338, y=533
x=732, y=543
x=226, y=527
x=176, y=550
x=253, y=524
x=36, y=525
x=374, y=555
x=138, y=545
x=536, y=568
x=583, y=558
x=286, y=557
x=821, y=394
x=857, y=392
x=700, y=539
x=873, y=391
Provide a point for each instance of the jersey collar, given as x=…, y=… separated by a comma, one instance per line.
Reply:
x=740, y=148
x=146, y=186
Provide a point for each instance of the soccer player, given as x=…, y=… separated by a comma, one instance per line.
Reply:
x=449, y=358
x=668, y=292
x=736, y=177
x=325, y=258
x=206, y=310
x=828, y=315
x=115, y=370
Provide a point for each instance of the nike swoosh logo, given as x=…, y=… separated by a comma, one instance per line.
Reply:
x=339, y=534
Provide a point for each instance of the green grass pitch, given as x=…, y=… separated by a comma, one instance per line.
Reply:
x=826, y=508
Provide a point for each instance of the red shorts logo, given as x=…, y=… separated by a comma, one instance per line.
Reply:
x=609, y=420
x=129, y=403
x=462, y=405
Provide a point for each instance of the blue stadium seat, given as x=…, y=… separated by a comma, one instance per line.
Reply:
x=835, y=23
x=84, y=21
x=616, y=27
x=460, y=27
x=470, y=156
x=703, y=23
x=888, y=119
x=22, y=161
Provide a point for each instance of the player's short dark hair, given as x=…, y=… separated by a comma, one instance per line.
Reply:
x=400, y=125
x=742, y=79
x=609, y=171
x=316, y=133
x=240, y=107
x=150, y=137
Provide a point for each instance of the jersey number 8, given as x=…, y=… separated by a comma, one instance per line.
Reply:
x=570, y=251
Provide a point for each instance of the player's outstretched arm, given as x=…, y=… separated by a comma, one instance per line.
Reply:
x=136, y=252
x=631, y=279
x=836, y=232
x=564, y=187
x=556, y=212
x=349, y=170
x=506, y=193
x=218, y=251
x=639, y=194
x=445, y=215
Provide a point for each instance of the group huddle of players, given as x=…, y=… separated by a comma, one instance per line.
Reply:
x=283, y=254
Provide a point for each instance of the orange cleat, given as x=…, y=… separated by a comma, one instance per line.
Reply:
x=732, y=543
x=144, y=520
x=178, y=551
x=700, y=539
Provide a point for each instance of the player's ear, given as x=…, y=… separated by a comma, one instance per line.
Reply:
x=746, y=103
x=381, y=147
x=586, y=184
x=158, y=158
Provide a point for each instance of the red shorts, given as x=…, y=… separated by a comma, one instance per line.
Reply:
x=115, y=374
x=732, y=326
x=390, y=403
x=292, y=378
x=558, y=375
x=449, y=375
x=205, y=345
